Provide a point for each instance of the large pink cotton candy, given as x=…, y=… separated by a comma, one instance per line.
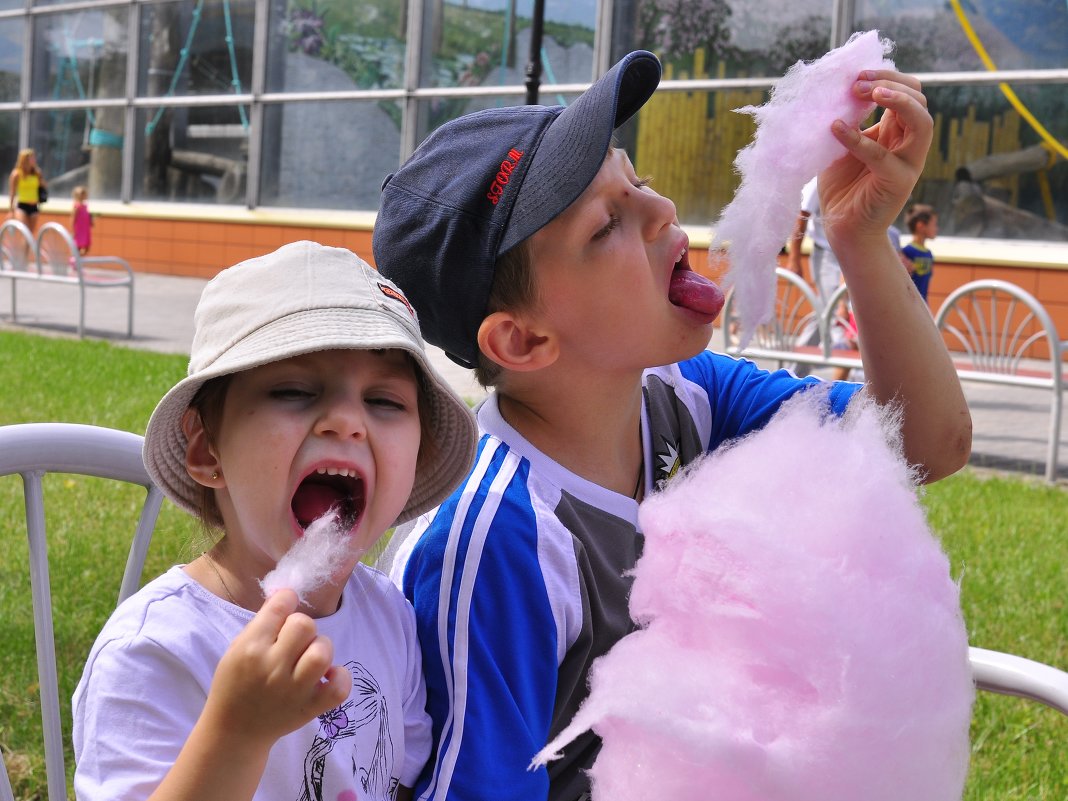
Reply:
x=802, y=638
x=793, y=142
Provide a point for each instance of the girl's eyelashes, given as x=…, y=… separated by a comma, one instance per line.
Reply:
x=388, y=403
x=643, y=182
x=290, y=393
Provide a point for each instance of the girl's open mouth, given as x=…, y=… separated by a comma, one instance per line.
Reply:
x=340, y=489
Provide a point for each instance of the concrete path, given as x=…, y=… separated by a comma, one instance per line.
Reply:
x=1011, y=424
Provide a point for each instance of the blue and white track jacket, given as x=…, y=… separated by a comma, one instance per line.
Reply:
x=519, y=580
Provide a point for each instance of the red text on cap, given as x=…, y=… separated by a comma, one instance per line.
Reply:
x=496, y=189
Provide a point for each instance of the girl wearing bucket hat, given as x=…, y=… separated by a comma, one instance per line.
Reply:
x=309, y=396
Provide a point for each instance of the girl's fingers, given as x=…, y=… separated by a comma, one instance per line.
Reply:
x=275, y=611
x=264, y=628
x=297, y=633
x=334, y=689
x=314, y=662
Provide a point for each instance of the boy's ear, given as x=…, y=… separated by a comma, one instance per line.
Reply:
x=514, y=344
x=200, y=460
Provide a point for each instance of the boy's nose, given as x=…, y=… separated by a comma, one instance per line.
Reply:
x=661, y=212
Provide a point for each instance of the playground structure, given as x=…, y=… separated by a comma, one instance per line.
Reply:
x=185, y=160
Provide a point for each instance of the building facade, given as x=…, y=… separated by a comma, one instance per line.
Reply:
x=212, y=130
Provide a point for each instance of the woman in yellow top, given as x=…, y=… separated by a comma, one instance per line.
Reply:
x=26, y=183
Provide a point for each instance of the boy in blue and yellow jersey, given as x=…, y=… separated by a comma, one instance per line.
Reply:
x=922, y=222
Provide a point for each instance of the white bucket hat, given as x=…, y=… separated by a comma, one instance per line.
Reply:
x=302, y=298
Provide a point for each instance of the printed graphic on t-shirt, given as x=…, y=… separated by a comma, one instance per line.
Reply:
x=921, y=265
x=360, y=725
x=673, y=432
x=667, y=460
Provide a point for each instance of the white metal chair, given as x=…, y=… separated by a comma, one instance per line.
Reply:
x=31, y=450
x=1007, y=674
x=795, y=323
x=1006, y=336
x=58, y=260
x=18, y=256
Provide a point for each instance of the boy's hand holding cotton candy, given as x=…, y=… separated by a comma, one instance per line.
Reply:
x=865, y=192
x=277, y=675
x=802, y=639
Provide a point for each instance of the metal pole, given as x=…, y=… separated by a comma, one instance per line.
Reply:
x=534, y=61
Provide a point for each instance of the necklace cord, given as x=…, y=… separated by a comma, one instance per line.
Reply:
x=215, y=569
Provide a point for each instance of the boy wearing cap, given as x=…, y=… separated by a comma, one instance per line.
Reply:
x=533, y=252
x=309, y=398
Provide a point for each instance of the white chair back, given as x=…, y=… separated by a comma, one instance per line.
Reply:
x=31, y=450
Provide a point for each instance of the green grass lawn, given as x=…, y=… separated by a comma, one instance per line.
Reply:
x=1007, y=539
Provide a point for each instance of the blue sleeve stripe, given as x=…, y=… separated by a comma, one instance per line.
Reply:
x=455, y=671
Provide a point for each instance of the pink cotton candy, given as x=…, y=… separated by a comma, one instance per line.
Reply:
x=312, y=560
x=802, y=640
x=793, y=142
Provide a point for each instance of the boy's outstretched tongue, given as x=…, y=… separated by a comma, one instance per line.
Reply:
x=693, y=291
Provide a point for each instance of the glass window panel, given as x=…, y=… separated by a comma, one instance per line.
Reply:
x=327, y=45
x=328, y=155
x=10, y=58
x=9, y=144
x=1016, y=34
x=686, y=142
x=196, y=154
x=988, y=173
x=723, y=38
x=12, y=5
x=80, y=56
x=202, y=48
x=435, y=112
x=61, y=138
x=691, y=163
x=1018, y=189
x=487, y=42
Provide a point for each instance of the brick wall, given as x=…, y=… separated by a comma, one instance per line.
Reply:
x=202, y=246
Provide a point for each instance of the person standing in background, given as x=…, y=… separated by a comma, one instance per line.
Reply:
x=826, y=274
x=922, y=222
x=81, y=221
x=26, y=182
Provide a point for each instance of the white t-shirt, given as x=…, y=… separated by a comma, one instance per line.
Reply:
x=148, y=675
x=810, y=202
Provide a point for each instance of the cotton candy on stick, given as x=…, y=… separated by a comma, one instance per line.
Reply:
x=793, y=143
x=313, y=559
x=802, y=635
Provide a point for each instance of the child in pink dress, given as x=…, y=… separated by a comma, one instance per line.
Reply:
x=81, y=221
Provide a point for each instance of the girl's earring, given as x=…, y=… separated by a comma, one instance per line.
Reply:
x=214, y=475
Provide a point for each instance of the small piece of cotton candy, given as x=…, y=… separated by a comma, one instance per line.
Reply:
x=802, y=635
x=312, y=560
x=793, y=142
